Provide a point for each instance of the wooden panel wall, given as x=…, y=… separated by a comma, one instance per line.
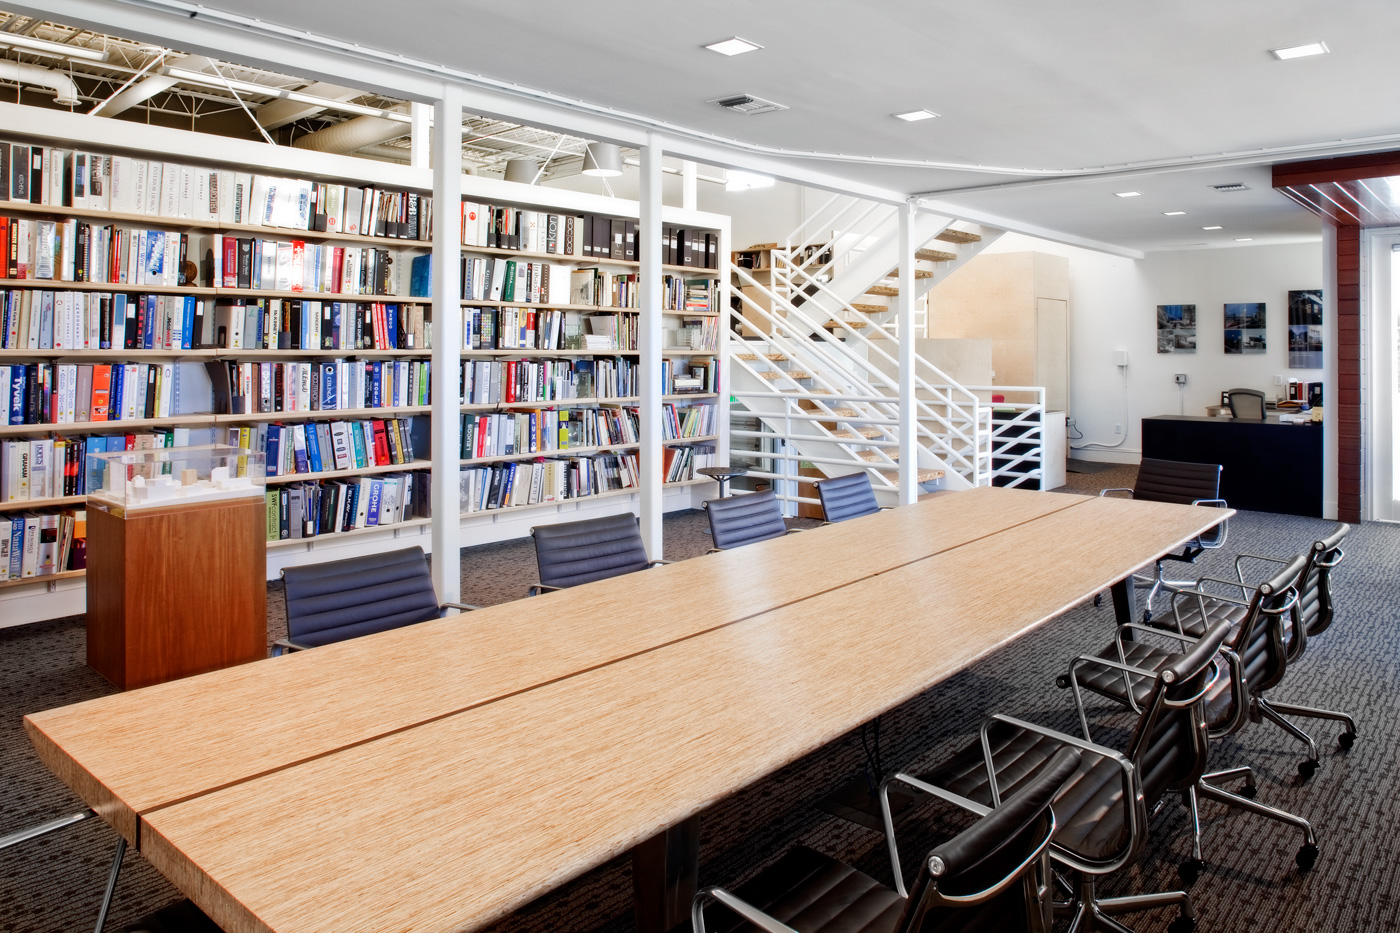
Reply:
x=1346, y=408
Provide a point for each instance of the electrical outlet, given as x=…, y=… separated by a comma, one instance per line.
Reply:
x=1278, y=380
x=1117, y=429
x=1181, y=379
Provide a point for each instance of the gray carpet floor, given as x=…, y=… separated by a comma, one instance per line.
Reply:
x=1251, y=882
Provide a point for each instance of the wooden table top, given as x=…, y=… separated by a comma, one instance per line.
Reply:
x=452, y=820
x=127, y=753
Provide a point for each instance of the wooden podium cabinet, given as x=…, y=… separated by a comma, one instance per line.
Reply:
x=175, y=590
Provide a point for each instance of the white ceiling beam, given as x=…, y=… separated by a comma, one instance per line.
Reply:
x=281, y=112
x=1015, y=226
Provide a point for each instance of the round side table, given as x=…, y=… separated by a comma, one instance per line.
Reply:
x=723, y=474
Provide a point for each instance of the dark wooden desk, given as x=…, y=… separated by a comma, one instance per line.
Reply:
x=1267, y=466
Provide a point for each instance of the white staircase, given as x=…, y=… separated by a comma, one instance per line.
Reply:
x=814, y=373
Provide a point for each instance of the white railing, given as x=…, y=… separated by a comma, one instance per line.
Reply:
x=1018, y=433
x=952, y=422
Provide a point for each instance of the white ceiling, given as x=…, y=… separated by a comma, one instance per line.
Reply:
x=1069, y=85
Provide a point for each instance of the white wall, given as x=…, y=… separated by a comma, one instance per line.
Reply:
x=1113, y=305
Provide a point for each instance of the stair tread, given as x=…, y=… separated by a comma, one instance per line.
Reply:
x=934, y=255
x=863, y=434
x=953, y=235
x=870, y=309
x=873, y=456
x=918, y=274
x=775, y=357
x=887, y=291
x=854, y=325
x=922, y=476
x=748, y=357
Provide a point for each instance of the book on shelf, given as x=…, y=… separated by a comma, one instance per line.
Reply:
x=494, y=382
x=505, y=434
x=547, y=479
x=54, y=393
x=329, y=446
x=332, y=506
x=40, y=544
x=326, y=385
x=44, y=319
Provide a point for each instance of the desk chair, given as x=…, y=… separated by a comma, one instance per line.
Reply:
x=570, y=553
x=1256, y=657
x=845, y=497
x=1102, y=812
x=1184, y=484
x=992, y=876
x=343, y=599
x=1246, y=404
x=746, y=519
x=1312, y=616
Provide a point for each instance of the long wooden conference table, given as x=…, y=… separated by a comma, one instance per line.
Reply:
x=438, y=777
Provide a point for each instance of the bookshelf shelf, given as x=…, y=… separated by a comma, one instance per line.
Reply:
x=330, y=414
x=610, y=494
x=306, y=295
x=50, y=503
x=97, y=427
x=546, y=354
x=698, y=439
x=344, y=474
x=358, y=532
x=553, y=403
x=301, y=355
x=59, y=285
x=45, y=578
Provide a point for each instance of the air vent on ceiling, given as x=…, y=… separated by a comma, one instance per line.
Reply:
x=1233, y=186
x=747, y=103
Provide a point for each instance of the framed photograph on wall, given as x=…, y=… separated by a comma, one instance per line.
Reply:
x=1176, y=328
x=1244, y=328
x=1305, y=329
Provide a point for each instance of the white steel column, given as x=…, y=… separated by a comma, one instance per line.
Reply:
x=447, y=343
x=418, y=138
x=908, y=463
x=688, y=185
x=649, y=344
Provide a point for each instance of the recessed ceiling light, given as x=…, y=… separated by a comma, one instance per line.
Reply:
x=734, y=46
x=1172, y=213
x=1127, y=194
x=1232, y=186
x=1300, y=51
x=1216, y=227
x=911, y=116
x=1243, y=239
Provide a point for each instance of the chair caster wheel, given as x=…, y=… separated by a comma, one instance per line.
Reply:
x=1147, y=619
x=1182, y=925
x=1190, y=870
x=1346, y=740
x=1307, y=769
x=1306, y=857
x=1098, y=600
x=1062, y=682
x=1249, y=791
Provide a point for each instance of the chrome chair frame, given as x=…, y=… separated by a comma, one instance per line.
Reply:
x=63, y=822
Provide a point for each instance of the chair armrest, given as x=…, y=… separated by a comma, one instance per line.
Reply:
x=1178, y=636
x=714, y=550
x=1241, y=558
x=1239, y=695
x=282, y=645
x=1214, y=503
x=887, y=815
x=741, y=907
x=43, y=829
x=538, y=588
x=1104, y=492
x=795, y=530
x=1127, y=669
x=466, y=607
x=658, y=562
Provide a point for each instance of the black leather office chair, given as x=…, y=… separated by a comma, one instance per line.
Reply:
x=992, y=876
x=1256, y=657
x=570, y=553
x=845, y=497
x=1184, y=484
x=746, y=519
x=1102, y=813
x=1246, y=404
x=1311, y=617
x=357, y=596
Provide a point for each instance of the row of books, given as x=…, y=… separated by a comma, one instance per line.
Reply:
x=99, y=181
x=312, y=509
x=604, y=289
x=35, y=468
x=550, y=479
x=73, y=250
x=682, y=294
x=689, y=376
x=678, y=464
x=297, y=266
x=323, y=446
x=40, y=544
x=302, y=324
x=697, y=334
x=496, y=280
x=40, y=319
x=506, y=434
x=69, y=393
x=519, y=328
x=325, y=385
x=492, y=382
x=680, y=422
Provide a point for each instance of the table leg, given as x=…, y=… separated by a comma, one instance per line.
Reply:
x=1124, y=601
x=665, y=872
